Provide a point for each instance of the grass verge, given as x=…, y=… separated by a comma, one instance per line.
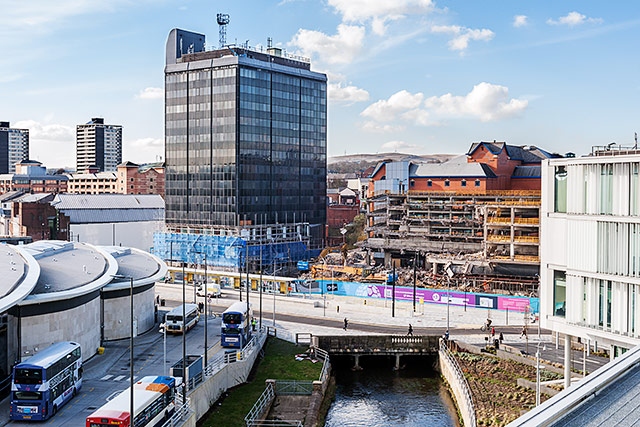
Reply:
x=278, y=363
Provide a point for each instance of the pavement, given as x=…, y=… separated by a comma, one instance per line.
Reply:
x=306, y=314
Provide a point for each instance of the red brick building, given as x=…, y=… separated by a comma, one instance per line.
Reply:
x=145, y=179
x=33, y=215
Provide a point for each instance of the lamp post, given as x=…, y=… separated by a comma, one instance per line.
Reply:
x=415, y=261
x=119, y=276
x=163, y=331
x=206, y=314
x=184, y=334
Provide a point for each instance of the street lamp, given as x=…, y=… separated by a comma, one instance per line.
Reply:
x=206, y=314
x=163, y=331
x=538, y=367
x=450, y=274
x=120, y=277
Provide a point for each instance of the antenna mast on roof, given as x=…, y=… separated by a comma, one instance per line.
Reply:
x=223, y=20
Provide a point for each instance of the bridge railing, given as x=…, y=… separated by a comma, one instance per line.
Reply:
x=462, y=381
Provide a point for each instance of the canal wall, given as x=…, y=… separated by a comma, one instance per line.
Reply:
x=459, y=387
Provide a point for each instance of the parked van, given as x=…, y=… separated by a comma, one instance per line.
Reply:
x=213, y=290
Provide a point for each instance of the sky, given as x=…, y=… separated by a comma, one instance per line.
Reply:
x=407, y=76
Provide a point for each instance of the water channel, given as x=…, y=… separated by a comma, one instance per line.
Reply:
x=380, y=396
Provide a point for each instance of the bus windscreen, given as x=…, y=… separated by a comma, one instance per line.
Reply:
x=28, y=376
x=232, y=318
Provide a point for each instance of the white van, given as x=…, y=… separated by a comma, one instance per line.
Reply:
x=213, y=290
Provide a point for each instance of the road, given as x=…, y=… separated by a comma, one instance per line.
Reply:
x=106, y=375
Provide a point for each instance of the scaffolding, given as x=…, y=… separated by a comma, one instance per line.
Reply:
x=254, y=248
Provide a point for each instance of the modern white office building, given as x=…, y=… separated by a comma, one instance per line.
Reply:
x=590, y=248
x=14, y=147
x=99, y=145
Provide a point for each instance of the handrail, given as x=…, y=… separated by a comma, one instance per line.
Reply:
x=466, y=390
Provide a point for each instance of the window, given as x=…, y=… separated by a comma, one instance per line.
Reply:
x=412, y=183
x=463, y=183
x=477, y=183
x=446, y=183
x=429, y=183
x=559, y=293
x=560, y=189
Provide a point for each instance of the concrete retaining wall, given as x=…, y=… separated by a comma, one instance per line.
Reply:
x=230, y=375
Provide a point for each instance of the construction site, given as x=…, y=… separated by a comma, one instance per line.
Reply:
x=480, y=242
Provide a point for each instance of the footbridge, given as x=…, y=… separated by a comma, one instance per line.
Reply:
x=378, y=345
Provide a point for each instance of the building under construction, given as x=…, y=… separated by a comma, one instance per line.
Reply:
x=473, y=220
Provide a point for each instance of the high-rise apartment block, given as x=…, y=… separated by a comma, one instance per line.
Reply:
x=245, y=141
x=14, y=147
x=98, y=145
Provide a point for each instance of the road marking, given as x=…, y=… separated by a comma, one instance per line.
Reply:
x=106, y=377
x=118, y=378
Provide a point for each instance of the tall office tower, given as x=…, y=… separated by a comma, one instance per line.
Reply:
x=14, y=147
x=245, y=139
x=98, y=145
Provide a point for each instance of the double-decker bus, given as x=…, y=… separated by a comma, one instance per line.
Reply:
x=236, y=325
x=176, y=323
x=153, y=403
x=44, y=382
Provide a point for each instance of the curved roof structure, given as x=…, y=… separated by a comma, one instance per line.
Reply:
x=54, y=270
x=20, y=273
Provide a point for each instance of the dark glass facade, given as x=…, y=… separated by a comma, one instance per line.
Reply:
x=245, y=142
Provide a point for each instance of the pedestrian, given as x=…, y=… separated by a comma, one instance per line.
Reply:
x=493, y=332
x=337, y=309
x=524, y=332
x=253, y=323
x=346, y=324
x=501, y=337
x=410, y=330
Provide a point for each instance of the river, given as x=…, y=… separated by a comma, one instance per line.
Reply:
x=380, y=396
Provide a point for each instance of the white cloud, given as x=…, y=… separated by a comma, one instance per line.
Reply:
x=54, y=143
x=573, y=19
x=39, y=15
x=486, y=101
x=349, y=94
x=151, y=93
x=47, y=132
x=462, y=35
x=520, y=21
x=371, y=126
x=387, y=110
x=341, y=48
x=363, y=10
x=399, y=145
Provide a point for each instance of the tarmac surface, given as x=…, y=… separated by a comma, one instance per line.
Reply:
x=306, y=314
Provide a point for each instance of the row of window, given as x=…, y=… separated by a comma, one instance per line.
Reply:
x=447, y=183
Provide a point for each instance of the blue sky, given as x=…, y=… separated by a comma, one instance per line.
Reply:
x=412, y=76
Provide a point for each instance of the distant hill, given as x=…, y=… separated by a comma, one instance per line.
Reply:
x=357, y=163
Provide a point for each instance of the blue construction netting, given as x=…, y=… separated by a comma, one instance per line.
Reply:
x=226, y=251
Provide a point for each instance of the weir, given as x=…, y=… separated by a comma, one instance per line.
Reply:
x=378, y=345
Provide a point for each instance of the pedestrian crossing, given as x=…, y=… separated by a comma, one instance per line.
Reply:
x=118, y=378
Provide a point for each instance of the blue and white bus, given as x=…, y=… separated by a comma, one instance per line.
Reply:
x=153, y=399
x=236, y=325
x=46, y=381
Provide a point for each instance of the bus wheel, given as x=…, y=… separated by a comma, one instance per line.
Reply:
x=73, y=393
x=54, y=410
